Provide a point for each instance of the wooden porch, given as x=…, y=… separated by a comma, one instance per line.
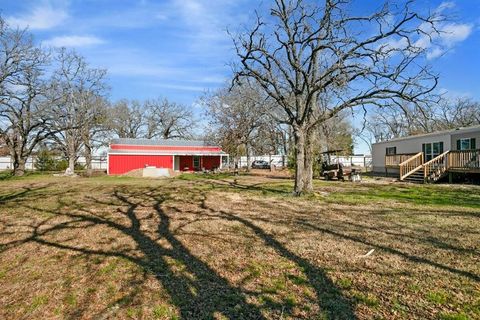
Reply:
x=412, y=166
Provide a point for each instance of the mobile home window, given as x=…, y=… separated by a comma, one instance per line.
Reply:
x=391, y=151
x=466, y=144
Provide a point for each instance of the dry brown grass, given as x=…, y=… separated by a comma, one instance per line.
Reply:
x=236, y=248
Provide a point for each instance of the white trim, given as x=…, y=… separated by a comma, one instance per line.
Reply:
x=108, y=166
x=166, y=154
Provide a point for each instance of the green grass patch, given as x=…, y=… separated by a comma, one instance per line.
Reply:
x=438, y=297
x=275, y=286
x=344, y=283
x=164, y=312
x=366, y=299
x=71, y=299
x=37, y=302
x=413, y=194
x=109, y=268
x=453, y=316
x=201, y=176
x=291, y=300
x=298, y=280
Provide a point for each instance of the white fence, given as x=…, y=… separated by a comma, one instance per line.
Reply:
x=281, y=161
x=98, y=163
x=357, y=161
x=277, y=160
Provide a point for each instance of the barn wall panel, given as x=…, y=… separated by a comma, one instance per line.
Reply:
x=120, y=164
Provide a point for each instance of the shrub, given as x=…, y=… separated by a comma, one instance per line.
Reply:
x=45, y=161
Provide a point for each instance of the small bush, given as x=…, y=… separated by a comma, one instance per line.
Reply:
x=45, y=161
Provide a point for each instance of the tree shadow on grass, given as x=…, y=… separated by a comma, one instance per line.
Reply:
x=410, y=257
x=194, y=288
x=24, y=192
x=333, y=304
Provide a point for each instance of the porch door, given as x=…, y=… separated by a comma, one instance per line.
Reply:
x=432, y=150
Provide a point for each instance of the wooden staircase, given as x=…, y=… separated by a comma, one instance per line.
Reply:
x=414, y=170
x=416, y=177
x=436, y=168
x=412, y=167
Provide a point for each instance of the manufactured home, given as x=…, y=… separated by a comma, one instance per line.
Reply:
x=429, y=157
x=125, y=155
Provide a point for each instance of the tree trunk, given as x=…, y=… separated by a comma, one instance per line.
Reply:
x=71, y=163
x=88, y=160
x=70, y=149
x=299, y=136
x=88, y=157
x=248, y=157
x=308, y=173
x=19, y=165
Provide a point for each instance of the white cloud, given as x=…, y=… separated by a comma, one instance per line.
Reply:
x=436, y=41
x=453, y=33
x=73, y=41
x=434, y=53
x=449, y=36
x=45, y=15
x=445, y=6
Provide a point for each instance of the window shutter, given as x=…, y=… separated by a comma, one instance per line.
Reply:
x=441, y=147
x=473, y=144
x=458, y=145
x=423, y=148
x=394, y=150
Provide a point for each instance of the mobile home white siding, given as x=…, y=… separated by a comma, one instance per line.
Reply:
x=411, y=145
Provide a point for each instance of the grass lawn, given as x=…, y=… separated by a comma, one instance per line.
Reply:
x=236, y=248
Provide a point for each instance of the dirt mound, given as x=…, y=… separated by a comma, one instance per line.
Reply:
x=137, y=173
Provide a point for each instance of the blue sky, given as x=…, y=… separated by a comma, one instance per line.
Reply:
x=179, y=48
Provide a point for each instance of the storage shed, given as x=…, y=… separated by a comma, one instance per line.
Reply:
x=125, y=155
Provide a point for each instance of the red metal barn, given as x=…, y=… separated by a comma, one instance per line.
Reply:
x=125, y=155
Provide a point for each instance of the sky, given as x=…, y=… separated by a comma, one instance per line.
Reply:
x=180, y=48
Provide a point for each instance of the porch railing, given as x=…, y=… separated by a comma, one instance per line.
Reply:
x=394, y=160
x=437, y=167
x=464, y=159
x=411, y=165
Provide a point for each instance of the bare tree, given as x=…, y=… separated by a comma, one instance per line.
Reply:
x=127, y=119
x=336, y=134
x=25, y=117
x=168, y=120
x=94, y=128
x=78, y=85
x=454, y=113
x=390, y=122
x=235, y=117
x=307, y=54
